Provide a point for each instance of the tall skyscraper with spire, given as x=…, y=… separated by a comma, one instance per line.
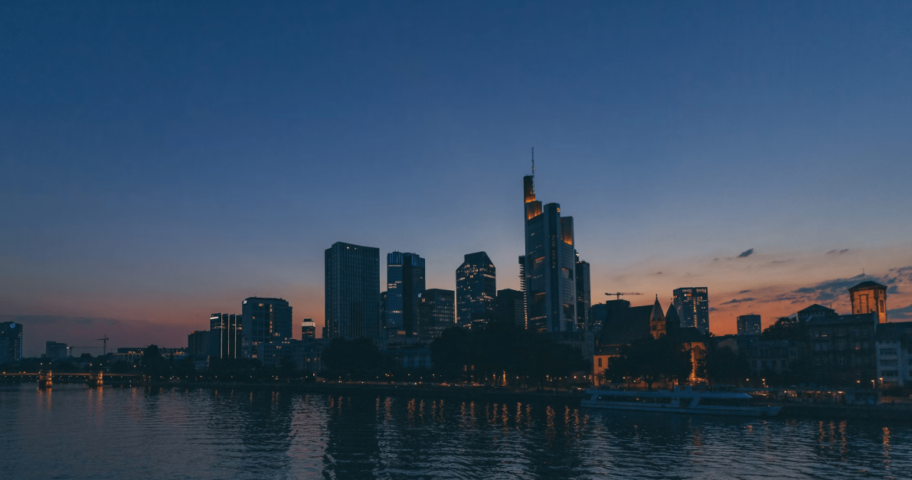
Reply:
x=550, y=264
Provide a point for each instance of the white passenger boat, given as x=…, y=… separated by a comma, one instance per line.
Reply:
x=680, y=401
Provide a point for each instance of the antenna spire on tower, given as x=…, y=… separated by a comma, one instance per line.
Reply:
x=533, y=161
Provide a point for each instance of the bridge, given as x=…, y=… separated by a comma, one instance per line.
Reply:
x=46, y=378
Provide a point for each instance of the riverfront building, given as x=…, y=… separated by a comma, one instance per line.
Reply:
x=404, y=284
x=476, y=290
x=549, y=268
x=352, y=291
x=225, y=335
x=308, y=329
x=198, y=343
x=869, y=297
x=10, y=342
x=436, y=312
x=511, y=309
x=264, y=320
x=55, y=350
x=893, y=345
x=692, y=304
x=749, y=325
x=583, y=295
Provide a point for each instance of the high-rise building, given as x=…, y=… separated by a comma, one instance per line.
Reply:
x=352, y=284
x=265, y=320
x=598, y=314
x=511, y=308
x=55, y=350
x=583, y=295
x=869, y=297
x=308, y=329
x=692, y=304
x=476, y=289
x=10, y=342
x=404, y=283
x=383, y=309
x=198, y=343
x=749, y=325
x=225, y=335
x=436, y=312
x=550, y=265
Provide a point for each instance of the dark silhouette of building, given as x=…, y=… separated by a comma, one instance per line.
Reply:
x=550, y=265
x=511, y=308
x=583, y=294
x=598, y=314
x=749, y=325
x=308, y=329
x=815, y=310
x=198, y=343
x=404, y=284
x=10, y=342
x=626, y=324
x=476, y=289
x=352, y=285
x=869, y=297
x=383, y=309
x=54, y=350
x=436, y=312
x=264, y=320
x=842, y=349
x=692, y=304
x=226, y=335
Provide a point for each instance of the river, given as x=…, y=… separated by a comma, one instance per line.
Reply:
x=76, y=432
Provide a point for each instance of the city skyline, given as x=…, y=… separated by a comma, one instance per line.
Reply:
x=789, y=150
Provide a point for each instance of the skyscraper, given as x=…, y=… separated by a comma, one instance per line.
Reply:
x=264, y=320
x=308, y=329
x=198, y=343
x=550, y=265
x=352, y=285
x=436, y=312
x=511, y=309
x=583, y=298
x=404, y=283
x=10, y=342
x=476, y=289
x=749, y=325
x=869, y=297
x=692, y=304
x=225, y=335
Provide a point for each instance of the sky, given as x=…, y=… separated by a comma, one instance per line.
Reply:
x=163, y=161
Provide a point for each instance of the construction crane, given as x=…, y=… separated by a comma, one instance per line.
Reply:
x=105, y=340
x=619, y=294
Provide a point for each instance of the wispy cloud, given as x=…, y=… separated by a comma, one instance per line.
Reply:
x=838, y=252
x=746, y=253
x=744, y=291
x=893, y=290
x=904, y=313
x=738, y=300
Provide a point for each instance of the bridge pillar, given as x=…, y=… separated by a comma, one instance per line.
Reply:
x=45, y=379
x=95, y=379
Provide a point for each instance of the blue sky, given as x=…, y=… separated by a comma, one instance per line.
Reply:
x=163, y=161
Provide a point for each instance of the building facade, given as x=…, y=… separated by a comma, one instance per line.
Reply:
x=749, y=325
x=436, y=312
x=598, y=313
x=841, y=350
x=550, y=265
x=583, y=295
x=404, y=284
x=198, y=343
x=476, y=290
x=352, y=291
x=692, y=304
x=225, y=335
x=511, y=309
x=308, y=329
x=10, y=342
x=264, y=320
x=55, y=350
x=869, y=297
x=893, y=345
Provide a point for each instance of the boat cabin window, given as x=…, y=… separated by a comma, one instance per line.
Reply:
x=724, y=402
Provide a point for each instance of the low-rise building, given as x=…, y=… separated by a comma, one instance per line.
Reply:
x=893, y=344
x=55, y=350
x=841, y=349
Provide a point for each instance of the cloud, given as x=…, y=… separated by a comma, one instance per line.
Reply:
x=744, y=291
x=838, y=252
x=904, y=313
x=893, y=290
x=712, y=309
x=657, y=273
x=738, y=300
x=826, y=290
x=746, y=253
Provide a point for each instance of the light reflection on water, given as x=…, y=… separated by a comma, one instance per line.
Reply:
x=76, y=432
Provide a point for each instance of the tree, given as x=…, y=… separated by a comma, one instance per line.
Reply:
x=357, y=359
x=450, y=353
x=651, y=359
x=786, y=328
x=722, y=365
